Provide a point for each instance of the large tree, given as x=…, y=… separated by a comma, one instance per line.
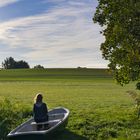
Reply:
x=120, y=20
x=9, y=63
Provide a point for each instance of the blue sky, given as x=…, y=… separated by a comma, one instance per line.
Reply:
x=53, y=33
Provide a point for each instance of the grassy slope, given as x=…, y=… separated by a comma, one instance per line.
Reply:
x=45, y=74
x=100, y=109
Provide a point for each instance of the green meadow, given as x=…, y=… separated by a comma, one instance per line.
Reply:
x=100, y=109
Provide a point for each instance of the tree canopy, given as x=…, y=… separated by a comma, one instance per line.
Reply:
x=10, y=63
x=38, y=67
x=120, y=20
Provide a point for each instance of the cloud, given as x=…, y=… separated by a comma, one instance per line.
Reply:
x=7, y=2
x=63, y=36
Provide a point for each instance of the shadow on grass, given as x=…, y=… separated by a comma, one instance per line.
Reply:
x=67, y=135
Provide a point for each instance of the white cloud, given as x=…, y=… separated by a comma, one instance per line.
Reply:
x=7, y=2
x=64, y=36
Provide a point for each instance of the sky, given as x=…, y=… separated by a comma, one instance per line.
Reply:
x=52, y=33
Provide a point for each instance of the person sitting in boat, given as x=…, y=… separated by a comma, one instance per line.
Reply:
x=40, y=110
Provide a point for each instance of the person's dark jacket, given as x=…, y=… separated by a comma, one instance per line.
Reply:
x=40, y=112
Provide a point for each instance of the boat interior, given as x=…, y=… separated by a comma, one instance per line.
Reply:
x=54, y=119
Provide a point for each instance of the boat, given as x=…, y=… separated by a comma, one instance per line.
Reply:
x=30, y=130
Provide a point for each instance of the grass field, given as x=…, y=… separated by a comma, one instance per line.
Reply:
x=99, y=108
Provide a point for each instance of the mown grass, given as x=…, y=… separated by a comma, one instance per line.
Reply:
x=100, y=109
x=45, y=74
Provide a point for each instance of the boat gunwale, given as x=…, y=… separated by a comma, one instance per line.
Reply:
x=42, y=132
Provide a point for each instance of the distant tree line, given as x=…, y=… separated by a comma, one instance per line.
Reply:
x=10, y=63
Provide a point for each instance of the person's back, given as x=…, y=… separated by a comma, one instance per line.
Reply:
x=40, y=110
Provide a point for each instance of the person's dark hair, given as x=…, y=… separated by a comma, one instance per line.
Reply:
x=38, y=98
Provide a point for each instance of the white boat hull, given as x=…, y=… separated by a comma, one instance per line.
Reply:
x=58, y=119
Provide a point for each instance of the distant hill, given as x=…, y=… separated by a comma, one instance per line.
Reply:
x=52, y=73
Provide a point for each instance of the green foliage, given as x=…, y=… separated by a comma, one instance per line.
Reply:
x=10, y=63
x=136, y=98
x=38, y=67
x=138, y=85
x=11, y=115
x=122, y=37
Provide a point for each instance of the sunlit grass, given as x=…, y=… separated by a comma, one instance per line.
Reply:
x=100, y=109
